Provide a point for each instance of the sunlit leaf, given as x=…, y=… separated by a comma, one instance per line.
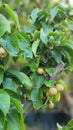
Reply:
x=12, y=14
x=53, y=12
x=34, y=14
x=43, y=36
x=4, y=25
x=35, y=46
x=9, y=48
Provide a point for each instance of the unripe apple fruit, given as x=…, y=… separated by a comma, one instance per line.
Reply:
x=3, y=52
x=40, y=71
x=60, y=87
x=51, y=105
x=52, y=91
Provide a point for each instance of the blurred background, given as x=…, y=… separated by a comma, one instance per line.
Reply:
x=45, y=120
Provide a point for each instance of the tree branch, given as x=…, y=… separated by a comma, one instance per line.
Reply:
x=59, y=68
x=37, y=3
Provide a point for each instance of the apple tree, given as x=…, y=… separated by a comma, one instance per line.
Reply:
x=32, y=61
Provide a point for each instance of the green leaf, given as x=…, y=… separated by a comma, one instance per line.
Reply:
x=17, y=74
x=49, y=83
x=18, y=105
x=34, y=65
x=70, y=25
x=69, y=45
x=1, y=75
x=69, y=126
x=34, y=14
x=36, y=35
x=4, y=25
x=20, y=37
x=24, y=79
x=67, y=56
x=38, y=80
x=53, y=12
x=36, y=98
x=12, y=14
x=42, y=14
x=22, y=124
x=14, y=121
x=9, y=84
x=29, y=29
x=28, y=53
x=9, y=48
x=57, y=55
x=57, y=97
x=69, y=50
x=13, y=94
x=48, y=29
x=35, y=46
x=13, y=39
x=50, y=70
x=23, y=45
x=4, y=102
x=43, y=36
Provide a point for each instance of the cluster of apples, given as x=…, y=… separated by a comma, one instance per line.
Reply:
x=53, y=91
x=3, y=52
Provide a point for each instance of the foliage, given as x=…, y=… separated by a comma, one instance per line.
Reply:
x=45, y=44
x=24, y=7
